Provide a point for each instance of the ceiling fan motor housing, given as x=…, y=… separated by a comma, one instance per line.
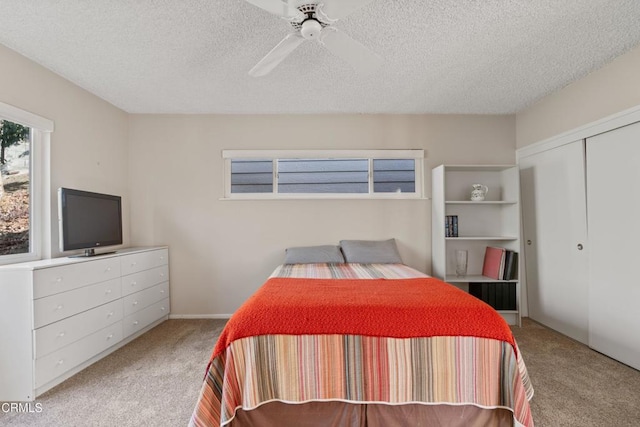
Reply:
x=311, y=26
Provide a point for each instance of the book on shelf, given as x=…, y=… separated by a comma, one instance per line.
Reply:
x=493, y=264
x=500, y=263
x=451, y=226
x=511, y=266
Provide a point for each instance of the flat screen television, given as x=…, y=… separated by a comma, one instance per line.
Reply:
x=88, y=220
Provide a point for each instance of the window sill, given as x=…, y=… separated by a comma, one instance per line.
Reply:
x=321, y=197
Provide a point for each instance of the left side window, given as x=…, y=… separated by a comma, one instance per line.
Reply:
x=25, y=140
x=16, y=189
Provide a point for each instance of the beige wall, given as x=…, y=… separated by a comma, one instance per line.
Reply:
x=221, y=251
x=609, y=90
x=89, y=144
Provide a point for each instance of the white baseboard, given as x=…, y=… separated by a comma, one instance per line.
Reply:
x=199, y=316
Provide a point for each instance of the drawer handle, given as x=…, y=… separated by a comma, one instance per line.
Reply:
x=60, y=362
x=162, y=308
x=135, y=323
x=61, y=334
x=109, y=337
x=59, y=307
x=134, y=283
x=161, y=258
x=161, y=274
x=133, y=263
x=107, y=292
x=58, y=279
x=109, y=314
x=135, y=303
x=162, y=291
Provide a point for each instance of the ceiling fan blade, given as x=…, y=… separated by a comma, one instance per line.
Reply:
x=281, y=8
x=364, y=60
x=338, y=9
x=277, y=55
x=291, y=9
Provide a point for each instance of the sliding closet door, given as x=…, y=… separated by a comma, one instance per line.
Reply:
x=613, y=200
x=555, y=247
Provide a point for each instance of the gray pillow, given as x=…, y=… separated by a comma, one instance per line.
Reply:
x=371, y=251
x=313, y=255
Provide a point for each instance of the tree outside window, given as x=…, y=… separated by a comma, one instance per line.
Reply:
x=15, y=174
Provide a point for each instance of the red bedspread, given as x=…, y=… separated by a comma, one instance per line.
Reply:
x=400, y=308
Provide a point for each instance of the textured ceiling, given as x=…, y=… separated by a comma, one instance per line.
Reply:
x=440, y=56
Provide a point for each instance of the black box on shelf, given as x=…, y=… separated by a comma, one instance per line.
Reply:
x=499, y=295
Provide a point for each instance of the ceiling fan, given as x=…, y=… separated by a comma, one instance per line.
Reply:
x=314, y=21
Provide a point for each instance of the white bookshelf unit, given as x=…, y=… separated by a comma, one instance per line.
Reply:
x=494, y=221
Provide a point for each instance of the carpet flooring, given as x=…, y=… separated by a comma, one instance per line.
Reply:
x=155, y=381
x=574, y=385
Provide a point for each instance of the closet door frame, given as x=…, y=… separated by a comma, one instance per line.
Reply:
x=614, y=121
x=605, y=124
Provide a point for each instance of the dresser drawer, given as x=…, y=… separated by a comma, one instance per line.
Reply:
x=59, y=334
x=144, y=279
x=139, y=300
x=50, y=281
x=59, y=362
x=60, y=306
x=137, y=321
x=143, y=261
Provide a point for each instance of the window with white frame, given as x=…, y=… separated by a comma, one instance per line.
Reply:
x=323, y=174
x=23, y=138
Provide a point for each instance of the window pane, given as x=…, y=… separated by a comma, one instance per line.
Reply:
x=15, y=188
x=251, y=176
x=394, y=175
x=327, y=172
x=323, y=176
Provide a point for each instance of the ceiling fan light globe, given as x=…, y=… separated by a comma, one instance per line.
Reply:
x=310, y=29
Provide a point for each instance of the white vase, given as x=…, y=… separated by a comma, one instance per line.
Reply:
x=479, y=192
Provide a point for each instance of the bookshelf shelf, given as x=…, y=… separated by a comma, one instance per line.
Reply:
x=482, y=238
x=494, y=221
x=486, y=202
x=474, y=278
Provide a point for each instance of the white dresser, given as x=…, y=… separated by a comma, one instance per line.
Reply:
x=58, y=316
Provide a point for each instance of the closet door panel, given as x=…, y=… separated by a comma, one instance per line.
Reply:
x=613, y=200
x=554, y=225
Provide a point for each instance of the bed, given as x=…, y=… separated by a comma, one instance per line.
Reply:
x=363, y=345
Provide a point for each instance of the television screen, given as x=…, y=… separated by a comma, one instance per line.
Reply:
x=89, y=220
